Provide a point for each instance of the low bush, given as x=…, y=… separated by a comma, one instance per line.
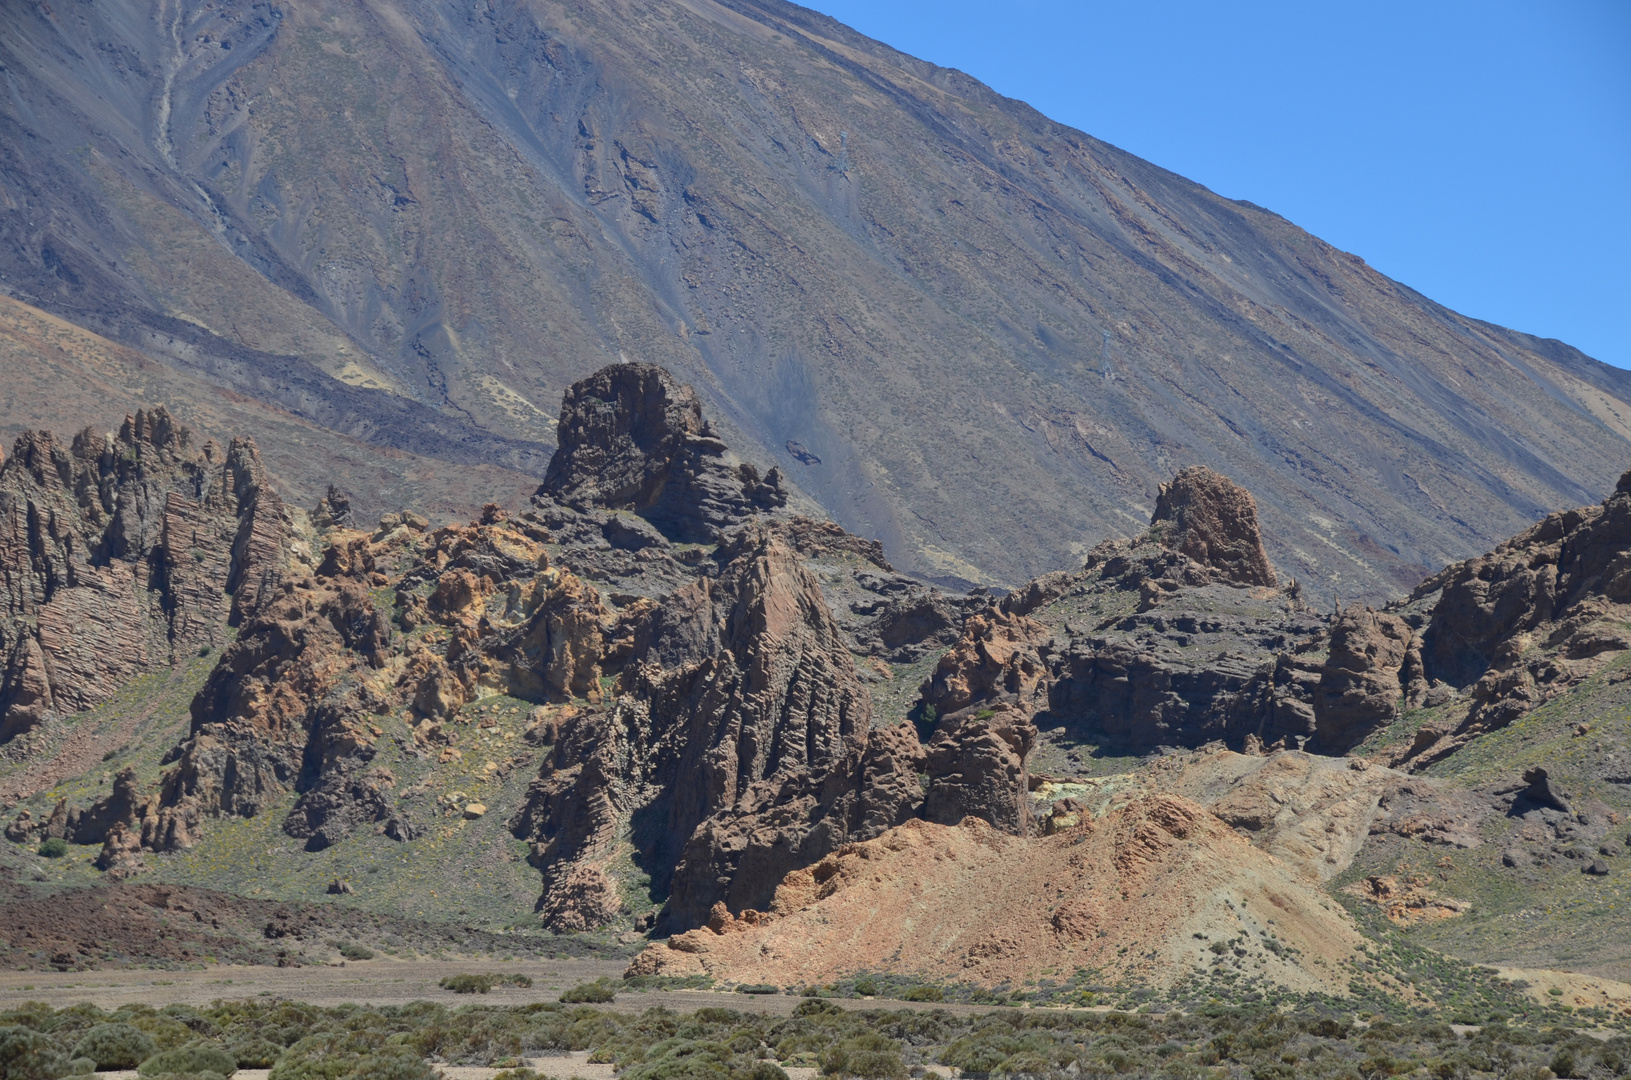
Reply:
x=115, y=1046
x=352, y=951
x=26, y=1054
x=596, y=993
x=482, y=982
x=758, y=988
x=367, y=1054
x=53, y=847
x=255, y=1052
x=195, y=1057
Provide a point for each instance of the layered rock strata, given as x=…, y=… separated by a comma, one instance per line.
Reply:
x=124, y=551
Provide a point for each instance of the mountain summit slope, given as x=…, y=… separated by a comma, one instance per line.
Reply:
x=417, y=223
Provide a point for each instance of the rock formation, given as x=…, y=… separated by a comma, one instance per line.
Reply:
x=1525, y=622
x=124, y=551
x=1213, y=521
x=1374, y=668
x=632, y=438
x=1175, y=638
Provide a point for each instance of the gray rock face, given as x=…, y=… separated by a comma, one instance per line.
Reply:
x=976, y=768
x=633, y=438
x=125, y=551
x=1374, y=668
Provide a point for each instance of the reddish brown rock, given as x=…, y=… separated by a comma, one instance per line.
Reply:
x=976, y=765
x=1213, y=520
x=274, y=710
x=1563, y=585
x=995, y=660
x=631, y=437
x=120, y=552
x=1374, y=667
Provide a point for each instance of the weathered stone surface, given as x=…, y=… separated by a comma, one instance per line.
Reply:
x=1374, y=660
x=995, y=660
x=1213, y=520
x=976, y=767
x=278, y=711
x=123, y=551
x=1525, y=622
x=633, y=438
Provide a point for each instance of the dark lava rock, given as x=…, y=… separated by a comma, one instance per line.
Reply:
x=1597, y=868
x=633, y=438
x=1541, y=792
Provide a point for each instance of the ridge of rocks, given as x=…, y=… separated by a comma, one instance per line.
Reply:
x=702, y=706
x=122, y=552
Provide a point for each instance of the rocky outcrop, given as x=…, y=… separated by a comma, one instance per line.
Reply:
x=976, y=765
x=1525, y=622
x=995, y=660
x=1213, y=521
x=742, y=712
x=1373, y=670
x=1210, y=650
x=124, y=551
x=284, y=709
x=631, y=437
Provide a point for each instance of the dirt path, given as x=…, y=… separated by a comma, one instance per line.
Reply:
x=386, y=982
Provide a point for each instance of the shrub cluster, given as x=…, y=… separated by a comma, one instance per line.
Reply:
x=355, y=1042
x=482, y=982
x=598, y=992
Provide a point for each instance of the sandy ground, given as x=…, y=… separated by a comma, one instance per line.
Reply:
x=558, y=1066
x=386, y=982
x=1579, y=991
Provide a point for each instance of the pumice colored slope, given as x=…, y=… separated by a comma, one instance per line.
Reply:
x=1139, y=895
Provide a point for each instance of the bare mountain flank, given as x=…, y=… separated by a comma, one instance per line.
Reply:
x=884, y=279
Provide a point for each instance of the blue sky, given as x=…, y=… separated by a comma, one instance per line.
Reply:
x=1478, y=152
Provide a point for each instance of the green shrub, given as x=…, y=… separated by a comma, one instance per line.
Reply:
x=81, y=1067
x=351, y=1055
x=924, y=993
x=115, y=1046
x=53, y=847
x=758, y=988
x=255, y=1052
x=481, y=983
x=352, y=951
x=517, y=1074
x=26, y=1054
x=195, y=1057
x=596, y=993
x=870, y=1056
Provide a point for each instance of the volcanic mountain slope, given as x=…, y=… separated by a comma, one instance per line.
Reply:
x=60, y=377
x=417, y=223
